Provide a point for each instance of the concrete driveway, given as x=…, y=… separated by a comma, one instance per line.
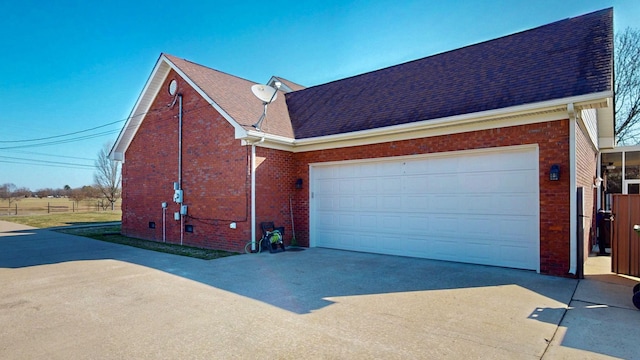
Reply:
x=66, y=297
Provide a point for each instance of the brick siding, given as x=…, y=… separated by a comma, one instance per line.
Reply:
x=216, y=176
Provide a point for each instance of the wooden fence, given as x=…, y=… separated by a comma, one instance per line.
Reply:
x=48, y=207
x=625, y=242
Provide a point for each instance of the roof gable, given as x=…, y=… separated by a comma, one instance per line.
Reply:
x=564, y=59
x=233, y=95
x=230, y=95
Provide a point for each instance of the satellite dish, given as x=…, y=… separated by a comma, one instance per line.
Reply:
x=173, y=86
x=264, y=92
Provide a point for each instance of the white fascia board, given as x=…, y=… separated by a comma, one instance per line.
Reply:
x=513, y=116
x=607, y=143
x=240, y=132
x=270, y=141
x=141, y=107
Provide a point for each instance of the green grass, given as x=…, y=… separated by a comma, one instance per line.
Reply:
x=112, y=234
x=35, y=206
x=65, y=219
x=109, y=233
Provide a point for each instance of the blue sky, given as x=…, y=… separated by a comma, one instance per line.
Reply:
x=70, y=66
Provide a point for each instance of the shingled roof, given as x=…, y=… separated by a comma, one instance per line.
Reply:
x=567, y=58
x=233, y=94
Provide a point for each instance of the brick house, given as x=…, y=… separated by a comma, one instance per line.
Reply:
x=446, y=157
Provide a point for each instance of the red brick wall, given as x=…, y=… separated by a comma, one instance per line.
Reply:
x=215, y=176
x=553, y=142
x=275, y=185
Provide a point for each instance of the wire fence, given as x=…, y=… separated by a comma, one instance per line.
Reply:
x=49, y=207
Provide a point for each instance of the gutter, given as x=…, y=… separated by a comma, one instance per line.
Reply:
x=573, y=207
x=253, y=193
x=590, y=101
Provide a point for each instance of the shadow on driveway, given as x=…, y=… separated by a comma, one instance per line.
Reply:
x=300, y=282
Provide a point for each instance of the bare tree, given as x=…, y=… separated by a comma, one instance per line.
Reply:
x=107, y=177
x=23, y=192
x=627, y=86
x=8, y=192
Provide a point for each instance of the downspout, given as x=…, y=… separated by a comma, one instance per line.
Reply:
x=180, y=163
x=180, y=141
x=253, y=193
x=573, y=207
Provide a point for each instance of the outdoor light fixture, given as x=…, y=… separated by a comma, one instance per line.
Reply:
x=299, y=184
x=554, y=172
x=597, y=182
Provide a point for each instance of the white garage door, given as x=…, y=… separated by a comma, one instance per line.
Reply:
x=478, y=207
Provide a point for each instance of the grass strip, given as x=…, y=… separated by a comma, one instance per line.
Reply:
x=112, y=234
x=43, y=221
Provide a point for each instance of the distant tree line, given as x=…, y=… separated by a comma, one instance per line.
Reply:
x=10, y=193
x=106, y=189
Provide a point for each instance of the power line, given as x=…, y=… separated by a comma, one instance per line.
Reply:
x=46, y=161
x=50, y=155
x=76, y=167
x=89, y=136
x=63, y=135
x=65, y=141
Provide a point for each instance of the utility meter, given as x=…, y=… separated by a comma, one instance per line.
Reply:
x=177, y=196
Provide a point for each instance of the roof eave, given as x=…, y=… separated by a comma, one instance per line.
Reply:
x=595, y=100
x=141, y=107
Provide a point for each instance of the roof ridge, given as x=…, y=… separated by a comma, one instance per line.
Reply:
x=537, y=28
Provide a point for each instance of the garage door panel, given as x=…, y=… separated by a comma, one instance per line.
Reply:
x=367, y=170
x=388, y=203
x=516, y=204
x=439, y=184
x=478, y=204
x=418, y=184
x=517, y=181
x=476, y=226
x=346, y=203
x=389, y=168
x=447, y=203
x=325, y=186
x=389, y=185
x=477, y=183
x=443, y=165
x=368, y=185
x=325, y=204
x=478, y=252
x=441, y=225
x=416, y=224
x=390, y=222
x=478, y=208
x=515, y=229
x=420, y=203
x=368, y=202
x=415, y=167
x=327, y=220
x=344, y=172
x=347, y=221
x=346, y=186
